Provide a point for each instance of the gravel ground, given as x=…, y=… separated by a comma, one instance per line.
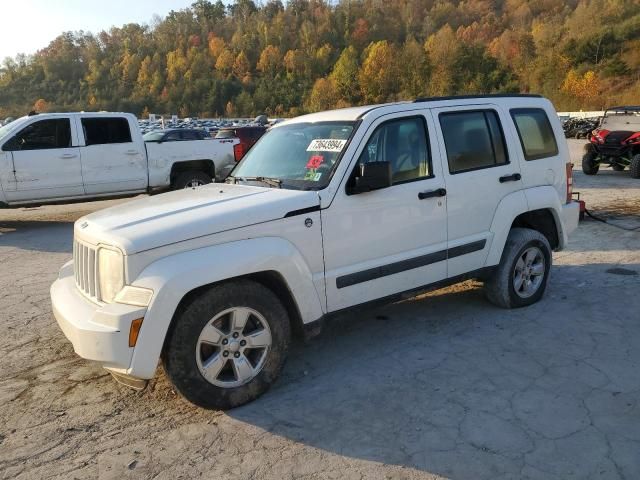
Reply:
x=443, y=386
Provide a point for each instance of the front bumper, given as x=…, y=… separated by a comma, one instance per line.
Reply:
x=98, y=332
x=570, y=217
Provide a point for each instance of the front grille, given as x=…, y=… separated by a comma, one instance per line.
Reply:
x=85, y=269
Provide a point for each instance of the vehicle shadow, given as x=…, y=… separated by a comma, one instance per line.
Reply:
x=451, y=385
x=39, y=235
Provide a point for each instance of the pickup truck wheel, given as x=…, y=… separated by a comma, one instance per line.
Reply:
x=589, y=164
x=191, y=179
x=634, y=166
x=521, y=276
x=228, y=346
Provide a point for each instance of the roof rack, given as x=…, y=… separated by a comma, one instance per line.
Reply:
x=488, y=95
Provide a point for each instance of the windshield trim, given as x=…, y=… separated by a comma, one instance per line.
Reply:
x=304, y=184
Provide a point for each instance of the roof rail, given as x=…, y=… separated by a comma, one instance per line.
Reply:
x=488, y=95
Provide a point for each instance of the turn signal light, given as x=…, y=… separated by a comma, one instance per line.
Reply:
x=134, y=331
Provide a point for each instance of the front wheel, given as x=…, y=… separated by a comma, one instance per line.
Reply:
x=227, y=346
x=634, y=166
x=520, y=278
x=589, y=164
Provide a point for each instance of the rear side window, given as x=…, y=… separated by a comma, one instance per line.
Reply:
x=42, y=135
x=473, y=140
x=104, y=130
x=535, y=132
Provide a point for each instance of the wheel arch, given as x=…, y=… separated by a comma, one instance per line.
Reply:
x=272, y=261
x=536, y=208
x=204, y=165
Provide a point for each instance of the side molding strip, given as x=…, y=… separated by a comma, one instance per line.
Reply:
x=409, y=264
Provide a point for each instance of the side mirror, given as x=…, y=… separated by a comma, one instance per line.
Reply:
x=373, y=176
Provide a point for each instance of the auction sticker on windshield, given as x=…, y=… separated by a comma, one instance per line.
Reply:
x=326, y=145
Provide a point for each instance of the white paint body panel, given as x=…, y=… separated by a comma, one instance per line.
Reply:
x=179, y=241
x=81, y=171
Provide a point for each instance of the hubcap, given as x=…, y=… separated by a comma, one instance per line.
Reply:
x=233, y=346
x=193, y=183
x=529, y=272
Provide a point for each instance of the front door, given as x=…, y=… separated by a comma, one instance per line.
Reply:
x=45, y=160
x=480, y=170
x=393, y=239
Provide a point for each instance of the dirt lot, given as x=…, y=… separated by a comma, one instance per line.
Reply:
x=441, y=386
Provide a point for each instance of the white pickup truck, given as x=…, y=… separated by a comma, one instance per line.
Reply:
x=56, y=157
x=327, y=212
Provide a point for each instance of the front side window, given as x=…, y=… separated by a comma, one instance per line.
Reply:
x=300, y=155
x=535, y=132
x=402, y=143
x=473, y=140
x=41, y=135
x=104, y=130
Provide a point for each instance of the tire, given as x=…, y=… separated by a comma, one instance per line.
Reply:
x=634, y=166
x=589, y=164
x=197, y=339
x=191, y=179
x=501, y=288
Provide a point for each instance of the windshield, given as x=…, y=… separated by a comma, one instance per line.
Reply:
x=153, y=136
x=301, y=155
x=621, y=121
x=10, y=127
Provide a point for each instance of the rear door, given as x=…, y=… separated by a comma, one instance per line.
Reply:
x=46, y=161
x=113, y=158
x=480, y=170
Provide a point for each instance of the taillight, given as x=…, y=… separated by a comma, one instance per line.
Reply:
x=238, y=152
x=569, y=182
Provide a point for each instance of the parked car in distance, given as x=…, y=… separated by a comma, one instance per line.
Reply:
x=248, y=136
x=56, y=157
x=616, y=142
x=329, y=211
x=176, y=135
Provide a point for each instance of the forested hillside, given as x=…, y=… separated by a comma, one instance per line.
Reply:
x=286, y=58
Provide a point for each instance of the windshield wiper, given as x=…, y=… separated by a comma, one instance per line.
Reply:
x=272, y=182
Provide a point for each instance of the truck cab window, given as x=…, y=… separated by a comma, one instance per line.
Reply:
x=42, y=135
x=104, y=130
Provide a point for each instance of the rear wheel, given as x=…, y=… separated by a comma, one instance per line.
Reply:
x=191, y=179
x=590, y=166
x=634, y=166
x=520, y=278
x=228, y=345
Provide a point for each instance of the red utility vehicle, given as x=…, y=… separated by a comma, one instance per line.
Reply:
x=616, y=142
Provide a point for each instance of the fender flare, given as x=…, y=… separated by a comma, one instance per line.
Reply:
x=171, y=278
x=516, y=203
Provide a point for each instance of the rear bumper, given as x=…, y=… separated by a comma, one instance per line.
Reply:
x=97, y=332
x=570, y=216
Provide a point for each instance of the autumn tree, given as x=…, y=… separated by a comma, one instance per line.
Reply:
x=345, y=76
x=378, y=76
x=323, y=96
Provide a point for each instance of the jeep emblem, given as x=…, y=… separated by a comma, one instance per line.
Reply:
x=308, y=223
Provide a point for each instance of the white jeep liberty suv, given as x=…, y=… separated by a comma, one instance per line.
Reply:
x=326, y=212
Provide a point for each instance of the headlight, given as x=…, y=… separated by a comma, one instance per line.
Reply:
x=110, y=273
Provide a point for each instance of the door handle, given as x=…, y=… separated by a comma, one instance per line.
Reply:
x=514, y=177
x=131, y=152
x=438, y=192
x=68, y=155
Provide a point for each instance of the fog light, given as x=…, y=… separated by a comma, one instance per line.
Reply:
x=134, y=331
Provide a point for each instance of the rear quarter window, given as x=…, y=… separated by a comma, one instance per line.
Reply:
x=535, y=133
x=105, y=130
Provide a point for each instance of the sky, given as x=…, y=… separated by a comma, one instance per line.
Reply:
x=29, y=25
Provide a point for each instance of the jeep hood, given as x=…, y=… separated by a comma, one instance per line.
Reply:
x=159, y=220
